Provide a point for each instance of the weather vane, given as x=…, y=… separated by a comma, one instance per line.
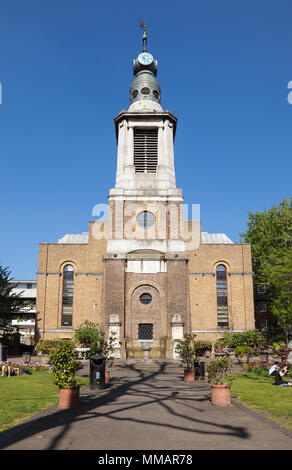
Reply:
x=143, y=26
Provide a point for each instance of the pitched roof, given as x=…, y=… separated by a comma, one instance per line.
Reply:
x=207, y=238
x=75, y=238
x=215, y=238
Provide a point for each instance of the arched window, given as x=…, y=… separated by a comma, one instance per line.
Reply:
x=222, y=304
x=68, y=288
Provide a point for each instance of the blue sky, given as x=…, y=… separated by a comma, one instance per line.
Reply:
x=65, y=70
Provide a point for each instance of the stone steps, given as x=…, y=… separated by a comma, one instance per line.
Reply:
x=163, y=365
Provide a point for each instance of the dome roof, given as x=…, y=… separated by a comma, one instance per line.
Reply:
x=145, y=87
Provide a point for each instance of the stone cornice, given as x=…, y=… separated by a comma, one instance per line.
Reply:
x=146, y=115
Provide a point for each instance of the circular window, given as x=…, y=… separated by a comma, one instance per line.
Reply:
x=145, y=91
x=134, y=94
x=156, y=95
x=145, y=298
x=146, y=219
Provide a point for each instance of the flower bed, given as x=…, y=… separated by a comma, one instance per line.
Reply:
x=30, y=366
x=260, y=368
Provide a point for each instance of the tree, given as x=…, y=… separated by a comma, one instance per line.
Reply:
x=9, y=302
x=89, y=336
x=270, y=236
x=281, y=302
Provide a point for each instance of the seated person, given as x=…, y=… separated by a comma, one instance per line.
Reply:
x=285, y=369
x=278, y=377
x=272, y=370
x=6, y=368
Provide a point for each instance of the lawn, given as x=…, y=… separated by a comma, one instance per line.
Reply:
x=258, y=393
x=22, y=396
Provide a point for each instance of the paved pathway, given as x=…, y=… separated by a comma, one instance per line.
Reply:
x=147, y=408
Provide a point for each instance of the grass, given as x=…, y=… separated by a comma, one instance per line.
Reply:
x=258, y=393
x=23, y=396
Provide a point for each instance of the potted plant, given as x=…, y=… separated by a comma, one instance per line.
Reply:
x=277, y=349
x=186, y=351
x=263, y=355
x=220, y=378
x=203, y=348
x=108, y=353
x=43, y=348
x=243, y=353
x=64, y=365
x=88, y=335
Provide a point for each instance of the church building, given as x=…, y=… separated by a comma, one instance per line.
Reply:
x=145, y=273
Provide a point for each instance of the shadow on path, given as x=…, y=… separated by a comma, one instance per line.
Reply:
x=120, y=403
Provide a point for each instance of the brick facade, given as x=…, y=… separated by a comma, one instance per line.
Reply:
x=103, y=287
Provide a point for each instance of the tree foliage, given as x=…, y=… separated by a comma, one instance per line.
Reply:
x=270, y=236
x=89, y=335
x=9, y=302
x=281, y=303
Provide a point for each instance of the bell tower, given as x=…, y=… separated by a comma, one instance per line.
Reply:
x=145, y=135
x=145, y=282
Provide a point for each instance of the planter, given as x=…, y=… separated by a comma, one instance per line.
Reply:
x=264, y=357
x=243, y=359
x=69, y=397
x=220, y=395
x=189, y=375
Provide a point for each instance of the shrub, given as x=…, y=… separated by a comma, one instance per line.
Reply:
x=45, y=346
x=186, y=351
x=258, y=368
x=62, y=359
x=243, y=350
x=277, y=348
x=89, y=336
x=202, y=346
x=219, y=371
x=252, y=338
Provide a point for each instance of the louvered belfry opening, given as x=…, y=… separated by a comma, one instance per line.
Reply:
x=145, y=150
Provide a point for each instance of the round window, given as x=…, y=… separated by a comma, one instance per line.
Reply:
x=146, y=219
x=156, y=95
x=145, y=298
x=145, y=91
x=134, y=94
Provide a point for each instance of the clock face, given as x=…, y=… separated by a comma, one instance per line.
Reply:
x=145, y=58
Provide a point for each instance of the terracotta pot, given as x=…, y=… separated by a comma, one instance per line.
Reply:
x=107, y=376
x=69, y=397
x=189, y=375
x=221, y=395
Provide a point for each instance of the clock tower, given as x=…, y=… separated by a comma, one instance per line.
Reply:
x=145, y=173
x=145, y=255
